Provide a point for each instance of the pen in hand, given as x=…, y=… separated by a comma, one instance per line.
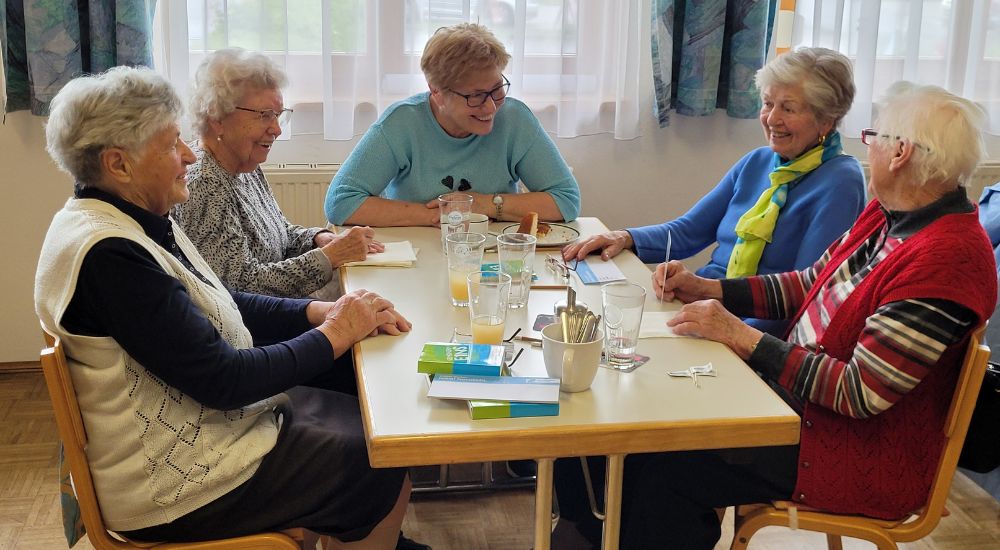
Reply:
x=666, y=260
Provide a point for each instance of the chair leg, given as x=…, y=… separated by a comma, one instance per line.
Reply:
x=833, y=542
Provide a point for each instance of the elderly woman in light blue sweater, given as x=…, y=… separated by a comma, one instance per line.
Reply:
x=466, y=135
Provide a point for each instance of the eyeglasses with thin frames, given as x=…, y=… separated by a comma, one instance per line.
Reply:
x=868, y=133
x=498, y=94
x=268, y=116
x=559, y=267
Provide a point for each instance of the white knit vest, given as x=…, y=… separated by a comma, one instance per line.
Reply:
x=155, y=453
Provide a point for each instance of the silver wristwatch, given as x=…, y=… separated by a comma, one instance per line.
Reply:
x=498, y=204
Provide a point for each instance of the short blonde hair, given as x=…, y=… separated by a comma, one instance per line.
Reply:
x=453, y=53
x=826, y=78
x=946, y=127
x=222, y=79
x=122, y=107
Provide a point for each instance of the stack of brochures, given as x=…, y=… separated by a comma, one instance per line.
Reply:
x=473, y=372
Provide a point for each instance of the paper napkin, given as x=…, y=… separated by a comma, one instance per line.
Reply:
x=398, y=254
x=654, y=325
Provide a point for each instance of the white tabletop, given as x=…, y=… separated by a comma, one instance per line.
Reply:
x=622, y=413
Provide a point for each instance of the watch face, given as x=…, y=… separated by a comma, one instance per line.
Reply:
x=497, y=199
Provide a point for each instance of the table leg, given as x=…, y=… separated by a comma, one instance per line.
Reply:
x=613, y=501
x=543, y=503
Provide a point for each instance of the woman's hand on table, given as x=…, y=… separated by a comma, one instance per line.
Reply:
x=710, y=320
x=352, y=245
x=610, y=244
x=673, y=280
x=356, y=316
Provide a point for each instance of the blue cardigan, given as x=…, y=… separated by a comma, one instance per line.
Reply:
x=820, y=208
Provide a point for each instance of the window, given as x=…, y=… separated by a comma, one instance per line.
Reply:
x=373, y=47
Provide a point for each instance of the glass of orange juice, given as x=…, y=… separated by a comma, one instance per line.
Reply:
x=465, y=255
x=489, y=293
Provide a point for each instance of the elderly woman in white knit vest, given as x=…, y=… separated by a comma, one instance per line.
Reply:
x=191, y=394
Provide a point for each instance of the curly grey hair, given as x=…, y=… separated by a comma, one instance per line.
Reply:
x=122, y=107
x=222, y=79
x=825, y=75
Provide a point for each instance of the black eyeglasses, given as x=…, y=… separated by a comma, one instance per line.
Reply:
x=268, y=116
x=498, y=94
x=868, y=133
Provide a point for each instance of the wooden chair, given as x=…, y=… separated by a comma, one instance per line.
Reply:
x=74, y=438
x=885, y=534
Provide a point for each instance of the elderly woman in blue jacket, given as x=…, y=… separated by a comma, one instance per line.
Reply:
x=780, y=206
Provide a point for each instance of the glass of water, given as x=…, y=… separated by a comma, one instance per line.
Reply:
x=516, y=252
x=623, y=304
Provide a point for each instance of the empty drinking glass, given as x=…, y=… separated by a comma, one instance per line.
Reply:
x=517, y=259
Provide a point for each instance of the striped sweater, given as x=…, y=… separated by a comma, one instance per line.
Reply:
x=883, y=315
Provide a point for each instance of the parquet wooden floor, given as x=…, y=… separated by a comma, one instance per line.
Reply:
x=500, y=520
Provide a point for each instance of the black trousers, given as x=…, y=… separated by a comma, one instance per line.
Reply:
x=669, y=499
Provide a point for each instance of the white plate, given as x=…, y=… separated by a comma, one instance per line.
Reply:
x=491, y=241
x=558, y=235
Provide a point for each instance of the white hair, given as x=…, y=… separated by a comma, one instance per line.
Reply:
x=946, y=128
x=122, y=107
x=825, y=76
x=222, y=79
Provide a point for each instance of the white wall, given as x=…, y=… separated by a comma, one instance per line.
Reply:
x=625, y=183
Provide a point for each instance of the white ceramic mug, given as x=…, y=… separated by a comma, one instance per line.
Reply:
x=479, y=223
x=575, y=365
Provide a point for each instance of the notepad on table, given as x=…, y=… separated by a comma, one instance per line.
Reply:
x=397, y=254
x=594, y=271
x=495, y=388
x=654, y=325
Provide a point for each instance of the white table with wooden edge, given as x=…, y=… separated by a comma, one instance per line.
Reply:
x=622, y=413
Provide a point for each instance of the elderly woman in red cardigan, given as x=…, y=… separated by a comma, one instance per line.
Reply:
x=879, y=324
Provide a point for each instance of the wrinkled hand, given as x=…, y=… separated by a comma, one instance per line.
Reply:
x=611, y=244
x=710, y=320
x=360, y=314
x=682, y=284
x=352, y=245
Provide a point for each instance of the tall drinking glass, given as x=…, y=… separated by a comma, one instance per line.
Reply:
x=455, y=209
x=623, y=303
x=517, y=259
x=465, y=255
x=488, y=295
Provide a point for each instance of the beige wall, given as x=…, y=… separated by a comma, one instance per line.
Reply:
x=642, y=181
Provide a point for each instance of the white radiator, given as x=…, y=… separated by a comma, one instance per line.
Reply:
x=300, y=190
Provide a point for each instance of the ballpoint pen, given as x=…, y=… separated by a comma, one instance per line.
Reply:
x=666, y=260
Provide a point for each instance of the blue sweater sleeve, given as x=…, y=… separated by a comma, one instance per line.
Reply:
x=123, y=293
x=271, y=320
x=690, y=233
x=366, y=173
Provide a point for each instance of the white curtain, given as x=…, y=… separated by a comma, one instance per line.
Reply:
x=954, y=44
x=576, y=63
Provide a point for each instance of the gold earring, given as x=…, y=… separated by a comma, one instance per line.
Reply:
x=822, y=139
x=218, y=137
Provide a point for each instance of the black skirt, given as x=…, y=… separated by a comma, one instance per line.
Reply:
x=317, y=477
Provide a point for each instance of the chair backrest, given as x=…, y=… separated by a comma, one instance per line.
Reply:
x=74, y=437
x=970, y=378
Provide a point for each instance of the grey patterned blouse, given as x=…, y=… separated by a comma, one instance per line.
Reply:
x=240, y=230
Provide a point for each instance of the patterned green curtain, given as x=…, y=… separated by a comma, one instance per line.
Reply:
x=45, y=43
x=705, y=55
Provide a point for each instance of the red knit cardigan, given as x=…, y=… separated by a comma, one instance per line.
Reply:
x=883, y=466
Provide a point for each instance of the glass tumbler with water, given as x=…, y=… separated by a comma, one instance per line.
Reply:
x=623, y=304
x=465, y=255
x=455, y=210
x=516, y=252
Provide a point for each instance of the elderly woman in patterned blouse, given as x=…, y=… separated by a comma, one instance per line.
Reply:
x=232, y=216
